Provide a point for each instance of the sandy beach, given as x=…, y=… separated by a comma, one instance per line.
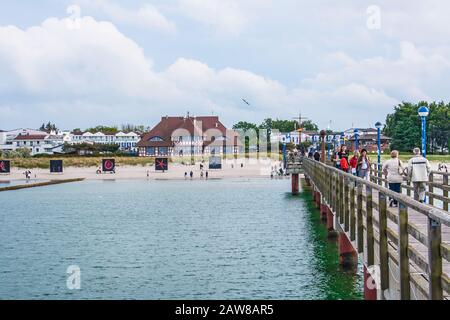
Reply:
x=250, y=169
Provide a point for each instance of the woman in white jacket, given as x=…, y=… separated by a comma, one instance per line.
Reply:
x=393, y=169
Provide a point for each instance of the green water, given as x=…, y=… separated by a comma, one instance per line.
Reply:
x=221, y=239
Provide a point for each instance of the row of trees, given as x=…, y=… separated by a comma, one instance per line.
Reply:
x=49, y=127
x=281, y=125
x=14, y=154
x=105, y=129
x=87, y=148
x=278, y=124
x=403, y=126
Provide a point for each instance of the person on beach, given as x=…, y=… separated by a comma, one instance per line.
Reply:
x=148, y=174
x=354, y=163
x=393, y=169
x=419, y=170
x=206, y=175
x=201, y=174
x=185, y=176
x=363, y=167
x=191, y=174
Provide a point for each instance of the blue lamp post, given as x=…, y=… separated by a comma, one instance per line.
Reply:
x=378, y=125
x=328, y=146
x=288, y=136
x=423, y=113
x=356, y=132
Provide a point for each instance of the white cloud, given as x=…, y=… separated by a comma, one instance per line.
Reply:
x=226, y=17
x=96, y=74
x=147, y=16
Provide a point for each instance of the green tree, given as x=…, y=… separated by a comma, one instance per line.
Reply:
x=48, y=127
x=308, y=125
x=244, y=125
x=403, y=126
x=104, y=129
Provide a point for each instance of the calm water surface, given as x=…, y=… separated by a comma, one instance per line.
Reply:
x=222, y=239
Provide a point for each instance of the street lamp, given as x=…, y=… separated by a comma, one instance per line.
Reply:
x=423, y=113
x=378, y=125
x=356, y=132
x=288, y=136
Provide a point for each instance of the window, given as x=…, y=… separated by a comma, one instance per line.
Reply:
x=163, y=150
x=156, y=139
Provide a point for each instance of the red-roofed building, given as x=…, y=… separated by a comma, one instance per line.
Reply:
x=184, y=136
x=34, y=142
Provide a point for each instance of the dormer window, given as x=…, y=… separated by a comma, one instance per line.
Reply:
x=156, y=139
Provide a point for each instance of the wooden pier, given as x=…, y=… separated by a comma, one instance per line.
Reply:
x=405, y=251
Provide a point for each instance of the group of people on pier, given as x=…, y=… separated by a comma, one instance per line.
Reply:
x=417, y=170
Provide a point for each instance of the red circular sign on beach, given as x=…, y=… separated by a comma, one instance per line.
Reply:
x=109, y=164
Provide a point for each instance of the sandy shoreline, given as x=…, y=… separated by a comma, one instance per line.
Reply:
x=175, y=172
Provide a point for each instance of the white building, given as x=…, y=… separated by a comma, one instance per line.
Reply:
x=294, y=137
x=126, y=141
x=7, y=142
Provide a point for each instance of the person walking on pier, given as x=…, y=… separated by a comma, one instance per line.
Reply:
x=418, y=172
x=363, y=165
x=354, y=163
x=344, y=164
x=317, y=155
x=393, y=169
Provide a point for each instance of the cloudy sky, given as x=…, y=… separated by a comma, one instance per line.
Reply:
x=80, y=63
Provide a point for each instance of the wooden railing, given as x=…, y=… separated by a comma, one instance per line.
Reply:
x=361, y=211
x=437, y=187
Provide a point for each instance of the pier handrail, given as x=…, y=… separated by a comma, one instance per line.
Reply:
x=378, y=177
x=335, y=187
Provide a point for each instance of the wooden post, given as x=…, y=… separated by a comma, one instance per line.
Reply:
x=403, y=244
x=352, y=213
x=346, y=206
x=384, y=253
x=359, y=220
x=408, y=190
x=295, y=183
x=342, y=197
x=445, y=192
x=431, y=189
x=369, y=228
x=434, y=260
x=322, y=136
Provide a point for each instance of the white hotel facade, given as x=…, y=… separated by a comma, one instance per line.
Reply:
x=39, y=142
x=126, y=141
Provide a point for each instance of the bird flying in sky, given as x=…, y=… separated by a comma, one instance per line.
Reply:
x=245, y=101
